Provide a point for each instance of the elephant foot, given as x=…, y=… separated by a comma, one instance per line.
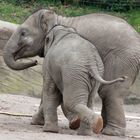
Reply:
x=113, y=131
x=97, y=125
x=50, y=128
x=85, y=132
x=37, y=120
x=74, y=123
x=84, y=129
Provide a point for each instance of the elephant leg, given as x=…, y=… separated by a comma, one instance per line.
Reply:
x=74, y=120
x=113, y=95
x=51, y=100
x=113, y=112
x=38, y=118
x=90, y=122
x=103, y=113
x=115, y=124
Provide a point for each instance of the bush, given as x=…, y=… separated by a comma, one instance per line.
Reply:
x=114, y=5
x=69, y=1
x=118, y=5
x=18, y=2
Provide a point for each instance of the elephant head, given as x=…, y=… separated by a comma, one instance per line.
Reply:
x=55, y=34
x=28, y=39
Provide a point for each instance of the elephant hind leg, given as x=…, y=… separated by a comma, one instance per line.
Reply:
x=89, y=120
x=112, y=95
x=115, y=119
x=74, y=120
x=113, y=113
x=75, y=97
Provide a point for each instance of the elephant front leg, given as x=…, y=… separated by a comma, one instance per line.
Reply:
x=51, y=100
x=38, y=118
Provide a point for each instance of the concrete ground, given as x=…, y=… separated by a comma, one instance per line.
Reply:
x=19, y=128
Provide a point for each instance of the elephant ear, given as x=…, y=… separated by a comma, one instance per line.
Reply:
x=47, y=20
x=48, y=41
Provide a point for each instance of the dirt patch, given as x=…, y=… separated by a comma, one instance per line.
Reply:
x=19, y=128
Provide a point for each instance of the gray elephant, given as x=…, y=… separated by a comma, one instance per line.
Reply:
x=118, y=45
x=72, y=71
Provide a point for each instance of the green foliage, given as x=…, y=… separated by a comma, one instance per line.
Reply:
x=71, y=1
x=113, y=5
x=13, y=13
x=118, y=5
x=133, y=17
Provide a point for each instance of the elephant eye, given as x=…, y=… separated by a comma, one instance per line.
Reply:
x=47, y=40
x=23, y=33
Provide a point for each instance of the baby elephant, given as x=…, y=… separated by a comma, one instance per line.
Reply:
x=72, y=73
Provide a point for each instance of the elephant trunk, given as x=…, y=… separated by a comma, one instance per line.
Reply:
x=9, y=57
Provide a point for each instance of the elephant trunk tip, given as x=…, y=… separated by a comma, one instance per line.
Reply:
x=123, y=78
x=9, y=59
x=22, y=66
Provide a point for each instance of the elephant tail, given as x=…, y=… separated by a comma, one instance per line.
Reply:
x=95, y=74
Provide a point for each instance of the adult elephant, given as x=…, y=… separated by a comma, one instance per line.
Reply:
x=118, y=45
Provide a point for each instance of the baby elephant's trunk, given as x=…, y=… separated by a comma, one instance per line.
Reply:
x=95, y=74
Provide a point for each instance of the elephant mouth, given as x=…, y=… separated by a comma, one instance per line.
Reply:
x=41, y=52
x=18, y=54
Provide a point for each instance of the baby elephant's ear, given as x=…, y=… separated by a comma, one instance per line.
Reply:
x=48, y=41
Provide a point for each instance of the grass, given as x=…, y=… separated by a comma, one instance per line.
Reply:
x=16, y=13
x=134, y=19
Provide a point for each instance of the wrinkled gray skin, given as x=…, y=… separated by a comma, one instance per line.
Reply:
x=72, y=71
x=118, y=45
